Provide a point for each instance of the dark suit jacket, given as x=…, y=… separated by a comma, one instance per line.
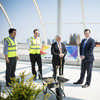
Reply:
x=55, y=52
x=88, y=50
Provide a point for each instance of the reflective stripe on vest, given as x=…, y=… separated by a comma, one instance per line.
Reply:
x=11, y=47
x=35, y=46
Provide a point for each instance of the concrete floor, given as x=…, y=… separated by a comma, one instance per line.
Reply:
x=72, y=92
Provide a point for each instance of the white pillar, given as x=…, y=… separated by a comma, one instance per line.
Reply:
x=59, y=17
x=83, y=13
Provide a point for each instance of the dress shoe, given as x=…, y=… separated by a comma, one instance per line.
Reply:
x=40, y=76
x=8, y=85
x=85, y=86
x=35, y=77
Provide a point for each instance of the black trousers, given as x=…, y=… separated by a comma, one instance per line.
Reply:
x=86, y=67
x=58, y=63
x=10, y=69
x=55, y=70
x=36, y=58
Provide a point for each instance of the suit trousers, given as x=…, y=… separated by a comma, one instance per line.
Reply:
x=86, y=66
x=58, y=63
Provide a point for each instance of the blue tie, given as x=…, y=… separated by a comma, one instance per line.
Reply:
x=84, y=46
x=84, y=43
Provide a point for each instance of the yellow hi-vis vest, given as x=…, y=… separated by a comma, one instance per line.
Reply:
x=11, y=47
x=35, y=46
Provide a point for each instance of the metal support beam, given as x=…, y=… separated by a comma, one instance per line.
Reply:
x=41, y=20
x=6, y=15
x=74, y=23
x=59, y=17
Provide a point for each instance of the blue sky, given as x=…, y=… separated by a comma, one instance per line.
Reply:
x=24, y=18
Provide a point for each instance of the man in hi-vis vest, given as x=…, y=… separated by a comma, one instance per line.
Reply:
x=35, y=56
x=10, y=55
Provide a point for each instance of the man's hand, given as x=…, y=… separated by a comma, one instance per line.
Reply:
x=7, y=60
x=82, y=57
x=61, y=55
x=17, y=57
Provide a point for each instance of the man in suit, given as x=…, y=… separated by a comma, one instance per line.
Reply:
x=59, y=52
x=86, y=54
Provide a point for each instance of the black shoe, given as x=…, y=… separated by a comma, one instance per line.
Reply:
x=85, y=86
x=54, y=76
x=40, y=76
x=8, y=85
x=35, y=77
x=77, y=83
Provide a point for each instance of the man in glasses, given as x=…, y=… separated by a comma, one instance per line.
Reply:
x=34, y=52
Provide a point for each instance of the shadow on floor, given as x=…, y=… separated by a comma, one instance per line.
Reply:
x=71, y=98
x=53, y=97
x=71, y=85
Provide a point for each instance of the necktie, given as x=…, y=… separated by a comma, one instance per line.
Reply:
x=60, y=49
x=84, y=43
x=84, y=46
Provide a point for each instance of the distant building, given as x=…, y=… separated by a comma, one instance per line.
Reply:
x=48, y=42
x=74, y=39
